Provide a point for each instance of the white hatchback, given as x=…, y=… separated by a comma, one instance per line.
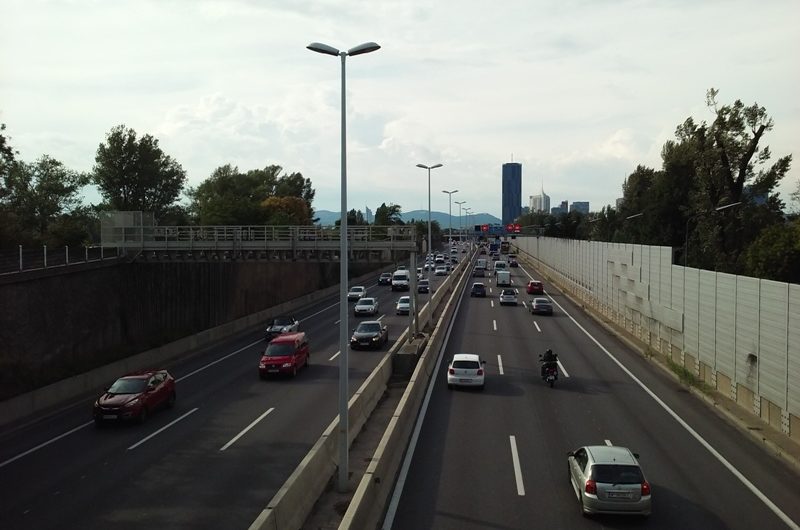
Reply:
x=508, y=296
x=466, y=369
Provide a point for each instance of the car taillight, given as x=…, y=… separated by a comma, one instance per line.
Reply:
x=480, y=371
x=451, y=371
x=645, y=488
x=590, y=487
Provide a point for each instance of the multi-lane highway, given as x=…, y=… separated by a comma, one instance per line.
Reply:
x=214, y=461
x=497, y=458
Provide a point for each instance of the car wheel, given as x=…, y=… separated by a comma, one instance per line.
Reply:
x=262, y=376
x=142, y=415
x=171, y=400
x=449, y=386
x=308, y=361
x=294, y=370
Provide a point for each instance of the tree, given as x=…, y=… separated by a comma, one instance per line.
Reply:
x=135, y=174
x=776, y=253
x=7, y=156
x=354, y=218
x=388, y=215
x=286, y=211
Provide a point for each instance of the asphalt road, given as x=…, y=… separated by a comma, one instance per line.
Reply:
x=463, y=473
x=214, y=461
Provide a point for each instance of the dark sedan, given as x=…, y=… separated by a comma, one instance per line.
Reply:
x=385, y=278
x=541, y=306
x=478, y=289
x=135, y=396
x=369, y=334
x=513, y=263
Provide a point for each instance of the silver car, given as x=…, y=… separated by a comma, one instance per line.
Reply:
x=608, y=479
x=403, y=306
x=365, y=306
x=508, y=296
x=356, y=293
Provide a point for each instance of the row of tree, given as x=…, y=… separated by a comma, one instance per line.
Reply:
x=41, y=202
x=714, y=200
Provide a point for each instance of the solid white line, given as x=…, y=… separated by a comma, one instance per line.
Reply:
x=380, y=317
x=337, y=322
x=608, y=443
x=335, y=355
x=233, y=440
x=190, y=374
x=537, y=326
x=722, y=460
x=500, y=364
x=165, y=427
x=320, y=311
x=45, y=444
x=517, y=469
x=494, y=324
x=561, y=366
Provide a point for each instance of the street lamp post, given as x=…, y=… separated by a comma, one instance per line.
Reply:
x=469, y=214
x=450, y=213
x=367, y=47
x=695, y=216
x=430, y=243
x=460, y=221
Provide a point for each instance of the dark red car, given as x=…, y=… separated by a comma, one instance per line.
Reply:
x=535, y=287
x=135, y=396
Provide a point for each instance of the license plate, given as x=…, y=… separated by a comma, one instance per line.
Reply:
x=619, y=495
x=273, y=370
x=109, y=416
x=465, y=380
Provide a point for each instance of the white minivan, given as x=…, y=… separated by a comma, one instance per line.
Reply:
x=401, y=281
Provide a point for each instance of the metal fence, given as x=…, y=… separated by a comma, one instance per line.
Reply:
x=29, y=259
x=738, y=334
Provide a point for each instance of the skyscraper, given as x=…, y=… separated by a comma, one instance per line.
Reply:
x=512, y=191
x=540, y=203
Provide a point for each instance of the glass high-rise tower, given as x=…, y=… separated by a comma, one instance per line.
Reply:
x=512, y=191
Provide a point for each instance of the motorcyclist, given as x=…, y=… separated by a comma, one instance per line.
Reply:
x=549, y=359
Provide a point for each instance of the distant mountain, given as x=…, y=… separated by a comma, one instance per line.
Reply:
x=329, y=218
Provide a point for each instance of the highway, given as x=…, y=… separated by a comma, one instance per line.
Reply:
x=497, y=459
x=214, y=461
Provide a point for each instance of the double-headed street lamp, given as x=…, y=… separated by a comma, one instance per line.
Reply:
x=460, y=221
x=430, y=243
x=450, y=213
x=367, y=47
x=695, y=216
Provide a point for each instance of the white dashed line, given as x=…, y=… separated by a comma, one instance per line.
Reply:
x=491, y=302
x=537, y=326
x=233, y=440
x=500, y=364
x=164, y=428
x=563, y=371
x=494, y=324
x=517, y=468
x=608, y=443
x=45, y=444
x=335, y=355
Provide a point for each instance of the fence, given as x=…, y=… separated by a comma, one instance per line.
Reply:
x=22, y=259
x=738, y=334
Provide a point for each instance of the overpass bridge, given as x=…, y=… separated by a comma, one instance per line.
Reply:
x=133, y=232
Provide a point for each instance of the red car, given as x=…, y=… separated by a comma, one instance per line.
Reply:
x=135, y=396
x=535, y=287
x=285, y=355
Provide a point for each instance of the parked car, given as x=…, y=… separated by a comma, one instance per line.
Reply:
x=366, y=306
x=135, y=396
x=478, y=290
x=403, y=306
x=535, y=287
x=369, y=334
x=423, y=286
x=609, y=479
x=466, y=369
x=285, y=355
x=281, y=324
x=385, y=278
x=356, y=293
x=541, y=306
x=508, y=296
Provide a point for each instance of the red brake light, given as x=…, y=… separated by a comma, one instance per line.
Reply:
x=645, y=488
x=452, y=372
x=590, y=487
x=480, y=371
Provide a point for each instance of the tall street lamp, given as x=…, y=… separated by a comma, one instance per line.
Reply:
x=450, y=213
x=460, y=221
x=367, y=47
x=695, y=216
x=469, y=214
x=430, y=243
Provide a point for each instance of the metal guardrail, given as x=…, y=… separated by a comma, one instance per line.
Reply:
x=31, y=259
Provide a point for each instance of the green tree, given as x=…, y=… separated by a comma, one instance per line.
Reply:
x=776, y=253
x=135, y=174
x=354, y=218
x=388, y=215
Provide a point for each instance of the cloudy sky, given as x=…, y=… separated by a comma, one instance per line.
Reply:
x=579, y=92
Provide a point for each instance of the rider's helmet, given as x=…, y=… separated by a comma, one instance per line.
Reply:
x=549, y=352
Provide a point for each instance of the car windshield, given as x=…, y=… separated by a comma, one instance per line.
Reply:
x=128, y=386
x=507, y=292
x=283, y=321
x=540, y=301
x=356, y=289
x=468, y=365
x=366, y=301
x=279, y=350
x=368, y=327
x=404, y=300
x=616, y=474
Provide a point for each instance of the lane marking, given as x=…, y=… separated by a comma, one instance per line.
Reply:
x=494, y=324
x=335, y=355
x=491, y=302
x=490, y=290
x=212, y=363
x=500, y=364
x=524, y=304
x=537, y=326
x=608, y=443
x=45, y=444
x=561, y=367
x=517, y=468
x=233, y=440
x=162, y=429
x=380, y=317
x=337, y=322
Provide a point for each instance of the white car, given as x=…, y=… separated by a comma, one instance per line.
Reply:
x=441, y=270
x=356, y=293
x=403, y=306
x=466, y=369
x=508, y=296
x=366, y=306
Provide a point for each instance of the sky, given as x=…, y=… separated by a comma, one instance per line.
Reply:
x=579, y=92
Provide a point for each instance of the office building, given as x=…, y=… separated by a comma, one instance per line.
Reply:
x=512, y=191
x=579, y=206
x=558, y=210
x=540, y=203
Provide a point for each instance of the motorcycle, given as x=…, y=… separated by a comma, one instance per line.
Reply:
x=550, y=374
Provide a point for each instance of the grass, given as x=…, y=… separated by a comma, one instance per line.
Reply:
x=687, y=377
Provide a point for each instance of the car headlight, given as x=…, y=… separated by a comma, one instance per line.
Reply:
x=286, y=365
x=262, y=365
x=132, y=402
x=376, y=338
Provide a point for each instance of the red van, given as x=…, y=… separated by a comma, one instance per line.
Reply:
x=284, y=355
